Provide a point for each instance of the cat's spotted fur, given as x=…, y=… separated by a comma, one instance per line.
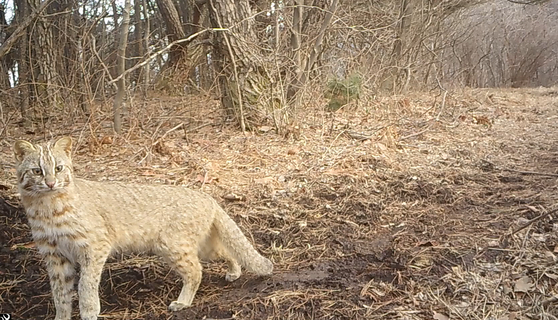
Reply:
x=75, y=221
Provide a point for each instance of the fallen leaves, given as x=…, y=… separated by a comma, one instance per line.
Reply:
x=523, y=284
x=440, y=316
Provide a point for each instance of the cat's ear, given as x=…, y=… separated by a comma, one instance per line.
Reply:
x=21, y=148
x=64, y=144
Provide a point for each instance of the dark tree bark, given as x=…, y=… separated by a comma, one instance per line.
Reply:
x=66, y=34
x=6, y=62
x=175, y=31
x=23, y=10
x=184, y=12
x=46, y=75
x=316, y=50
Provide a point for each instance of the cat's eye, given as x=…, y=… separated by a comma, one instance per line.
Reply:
x=37, y=171
x=59, y=168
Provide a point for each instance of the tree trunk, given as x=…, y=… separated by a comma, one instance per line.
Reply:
x=23, y=10
x=395, y=76
x=98, y=43
x=296, y=33
x=45, y=57
x=66, y=35
x=120, y=67
x=175, y=31
x=6, y=62
x=248, y=90
x=303, y=67
x=405, y=16
x=139, y=50
x=146, y=69
x=40, y=54
x=318, y=43
x=116, y=39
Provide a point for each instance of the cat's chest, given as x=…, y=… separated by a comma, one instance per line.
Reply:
x=64, y=239
x=62, y=233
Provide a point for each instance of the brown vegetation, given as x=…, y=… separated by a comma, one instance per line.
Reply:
x=379, y=178
x=405, y=208
x=260, y=57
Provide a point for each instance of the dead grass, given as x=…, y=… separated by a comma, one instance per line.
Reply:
x=401, y=209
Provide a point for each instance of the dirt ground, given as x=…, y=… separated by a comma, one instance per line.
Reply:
x=423, y=206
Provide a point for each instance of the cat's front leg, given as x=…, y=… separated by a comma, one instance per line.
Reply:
x=62, y=274
x=88, y=287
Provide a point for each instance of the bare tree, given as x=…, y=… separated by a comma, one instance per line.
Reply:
x=22, y=10
x=244, y=78
x=516, y=48
x=175, y=31
x=145, y=40
x=138, y=49
x=263, y=57
x=121, y=65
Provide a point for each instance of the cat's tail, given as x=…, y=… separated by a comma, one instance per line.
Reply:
x=239, y=247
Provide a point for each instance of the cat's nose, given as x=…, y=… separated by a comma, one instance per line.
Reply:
x=50, y=184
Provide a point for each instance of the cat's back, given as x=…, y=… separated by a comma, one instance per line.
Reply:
x=132, y=196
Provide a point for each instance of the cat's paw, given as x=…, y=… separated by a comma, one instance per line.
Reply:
x=230, y=277
x=177, y=306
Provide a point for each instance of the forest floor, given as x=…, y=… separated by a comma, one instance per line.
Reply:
x=423, y=206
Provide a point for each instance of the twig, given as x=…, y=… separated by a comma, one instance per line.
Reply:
x=415, y=134
x=520, y=171
x=550, y=300
x=361, y=136
x=198, y=127
x=204, y=179
x=532, y=172
x=94, y=49
x=165, y=134
x=530, y=222
x=177, y=127
x=4, y=124
x=443, y=105
x=7, y=45
x=358, y=136
x=160, y=52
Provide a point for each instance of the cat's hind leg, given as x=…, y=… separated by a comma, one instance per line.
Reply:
x=213, y=249
x=234, y=270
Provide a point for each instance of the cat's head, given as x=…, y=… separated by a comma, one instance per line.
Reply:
x=43, y=169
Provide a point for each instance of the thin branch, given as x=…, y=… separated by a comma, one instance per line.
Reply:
x=532, y=172
x=7, y=45
x=318, y=43
x=530, y=222
x=536, y=173
x=107, y=71
x=527, y=1
x=415, y=134
x=166, y=133
x=160, y=52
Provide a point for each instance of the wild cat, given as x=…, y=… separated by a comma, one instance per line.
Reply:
x=80, y=222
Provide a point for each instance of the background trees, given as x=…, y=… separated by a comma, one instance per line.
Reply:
x=264, y=58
